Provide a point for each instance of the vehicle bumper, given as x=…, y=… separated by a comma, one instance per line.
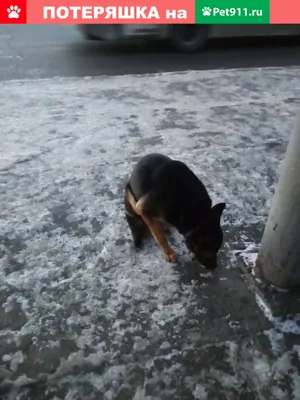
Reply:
x=111, y=32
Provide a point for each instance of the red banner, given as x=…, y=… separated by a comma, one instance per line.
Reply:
x=97, y=12
x=285, y=12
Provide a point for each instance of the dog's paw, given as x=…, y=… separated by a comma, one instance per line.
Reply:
x=170, y=256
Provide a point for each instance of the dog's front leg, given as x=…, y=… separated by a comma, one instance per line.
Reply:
x=159, y=235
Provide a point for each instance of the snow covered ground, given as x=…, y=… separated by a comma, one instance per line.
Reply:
x=82, y=315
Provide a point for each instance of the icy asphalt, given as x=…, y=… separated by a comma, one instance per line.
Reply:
x=82, y=315
x=44, y=51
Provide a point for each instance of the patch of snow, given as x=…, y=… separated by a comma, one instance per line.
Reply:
x=165, y=345
x=234, y=324
x=276, y=340
x=200, y=392
x=14, y=360
x=287, y=324
x=140, y=394
x=140, y=344
x=283, y=324
x=249, y=255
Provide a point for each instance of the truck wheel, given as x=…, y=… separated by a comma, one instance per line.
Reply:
x=189, y=38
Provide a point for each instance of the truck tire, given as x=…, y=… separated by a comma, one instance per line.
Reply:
x=189, y=38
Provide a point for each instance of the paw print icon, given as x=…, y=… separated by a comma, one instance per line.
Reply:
x=13, y=12
x=206, y=11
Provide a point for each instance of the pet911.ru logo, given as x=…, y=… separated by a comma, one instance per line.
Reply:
x=230, y=12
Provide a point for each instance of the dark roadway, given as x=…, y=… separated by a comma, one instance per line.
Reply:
x=41, y=51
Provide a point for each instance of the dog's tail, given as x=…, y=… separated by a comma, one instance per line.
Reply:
x=136, y=224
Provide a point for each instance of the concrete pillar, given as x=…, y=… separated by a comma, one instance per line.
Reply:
x=278, y=259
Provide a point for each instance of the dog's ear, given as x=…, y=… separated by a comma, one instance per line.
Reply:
x=217, y=210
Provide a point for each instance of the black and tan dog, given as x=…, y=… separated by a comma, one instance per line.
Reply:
x=161, y=190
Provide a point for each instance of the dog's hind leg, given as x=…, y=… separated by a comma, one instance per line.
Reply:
x=136, y=224
x=154, y=226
